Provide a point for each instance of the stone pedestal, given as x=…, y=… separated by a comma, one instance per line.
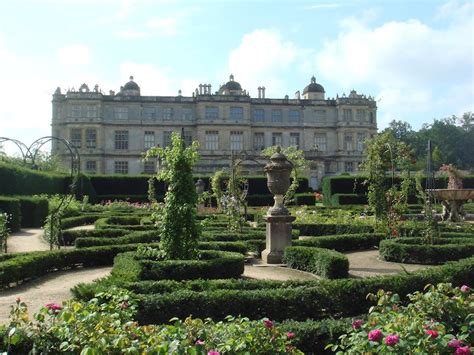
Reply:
x=278, y=237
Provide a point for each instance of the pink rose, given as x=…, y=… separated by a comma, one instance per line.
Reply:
x=454, y=343
x=53, y=307
x=375, y=335
x=268, y=323
x=357, y=323
x=392, y=339
x=199, y=342
x=432, y=333
x=463, y=350
x=213, y=352
x=290, y=335
x=465, y=288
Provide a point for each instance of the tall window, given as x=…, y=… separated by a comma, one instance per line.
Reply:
x=347, y=114
x=276, y=116
x=187, y=114
x=360, y=141
x=121, y=167
x=149, y=139
x=237, y=113
x=149, y=167
x=121, y=113
x=91, y=138
x=212, y=140
x=348, y=146
x=91, y=111
x=149, y=113
x=360, y=115
x=212, y=113
x=371, y=117
x=277, y=139
x=91, y=166
x=121, y=140
x=294, y=116
x=75, y=136
x=168, y=113
x=76, y=111
x=167, y=138
x=320, y=142
x=258, y=141
x=349, y=166
x=328, y=167
x=258, y=115
x=320, y=115
x=188, y=138
x=236, y=140
x=295, y=139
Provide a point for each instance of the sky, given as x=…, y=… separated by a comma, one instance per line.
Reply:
x=416, y=57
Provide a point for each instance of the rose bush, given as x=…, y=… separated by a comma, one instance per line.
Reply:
x=438, y=321
x=105, y=325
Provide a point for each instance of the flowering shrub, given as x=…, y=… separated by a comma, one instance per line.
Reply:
x=105, y=325
x=438, y=321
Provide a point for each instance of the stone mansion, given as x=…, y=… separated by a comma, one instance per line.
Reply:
x=111, y=131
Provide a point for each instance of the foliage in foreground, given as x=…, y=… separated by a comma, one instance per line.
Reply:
x=105, y=325
x=439, y=321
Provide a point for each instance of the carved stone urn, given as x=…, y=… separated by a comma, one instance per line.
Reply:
x=278, y=172
x=278, y=228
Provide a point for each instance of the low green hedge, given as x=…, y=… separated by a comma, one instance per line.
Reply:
x=343, y=242
x=130, y=238
x=11, y=206
x=326, y=263
x=120, y=223
x=19, y=267
x=70, y=236
x=80, y=220
x=260, y=200
x=313, y=229
x=305, y=199
x=211, y=265
x=348, y=199
x=329, y=298
x=34, y=210
x=415, y=251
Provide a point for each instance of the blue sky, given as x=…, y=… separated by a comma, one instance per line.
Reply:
x=416, y=57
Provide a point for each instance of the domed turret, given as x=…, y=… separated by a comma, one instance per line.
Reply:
x=231, y=87
x=313, y=91
x=130, y=89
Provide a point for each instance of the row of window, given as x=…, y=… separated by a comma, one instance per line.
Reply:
x=121, y=167
x=121, y=140
x=213, y=113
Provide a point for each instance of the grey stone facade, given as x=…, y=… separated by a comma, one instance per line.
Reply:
x=112, y=131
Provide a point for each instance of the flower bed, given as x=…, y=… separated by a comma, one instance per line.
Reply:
x=415, y=251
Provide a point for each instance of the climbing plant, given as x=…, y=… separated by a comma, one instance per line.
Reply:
x=179, y=232
x=387, y=155
x=4, y=231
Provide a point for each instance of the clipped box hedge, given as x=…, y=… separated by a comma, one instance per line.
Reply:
x=342, y=242
x=81, y=220
x=415, y=251
x=329, y=298
x=326, y=263
x=34, y=210
x=211, y=264
x=313, y=229
x=12, y=207
x=70, y=236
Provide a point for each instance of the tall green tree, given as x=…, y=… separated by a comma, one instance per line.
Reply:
x=179, y=232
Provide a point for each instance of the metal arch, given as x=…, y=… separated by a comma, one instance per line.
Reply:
x=25, y=154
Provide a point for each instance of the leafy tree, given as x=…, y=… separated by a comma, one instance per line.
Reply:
x=300, y=164
x=179, y=232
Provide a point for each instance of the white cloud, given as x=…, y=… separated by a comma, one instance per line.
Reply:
x=260, y=59
x=152, y=80
x=74, y=55
x=412, y=65
x=164, y=26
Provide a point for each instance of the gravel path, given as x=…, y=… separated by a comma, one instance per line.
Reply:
x=27, y=240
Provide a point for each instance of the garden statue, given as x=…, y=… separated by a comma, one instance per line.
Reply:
x=278, y=233
x=200, y=190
